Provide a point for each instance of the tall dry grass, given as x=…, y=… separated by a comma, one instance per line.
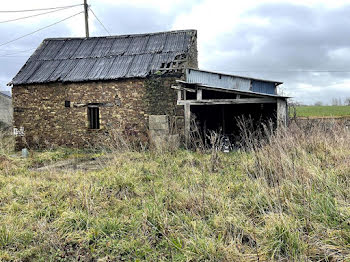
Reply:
x=284, y=196
x=6, y=141
x=306, y=170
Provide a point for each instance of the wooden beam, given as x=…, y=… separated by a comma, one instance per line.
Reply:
x=183, y=88
x=228, y=101
x=218, y=89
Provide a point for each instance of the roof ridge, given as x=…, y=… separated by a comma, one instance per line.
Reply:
x=108, y=56
x=125, y=35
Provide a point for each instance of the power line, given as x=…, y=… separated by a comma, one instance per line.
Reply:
x=20, y=18
x=40, y=9
x=15, y=53
x=100, y=21
x=15, y=50
x=13, y=40
x=14, y=56
x=19, y=51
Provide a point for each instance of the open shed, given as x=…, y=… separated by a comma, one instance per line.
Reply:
x=217, y=101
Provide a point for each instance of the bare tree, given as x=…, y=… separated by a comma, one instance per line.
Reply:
x=347, y=101
x=336, y=102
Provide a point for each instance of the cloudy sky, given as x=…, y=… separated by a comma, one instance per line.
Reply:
x=305, y=44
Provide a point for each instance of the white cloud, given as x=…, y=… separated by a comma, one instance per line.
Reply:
x=230, y=36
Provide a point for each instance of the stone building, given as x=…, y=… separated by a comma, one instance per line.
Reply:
x=73, y=91
x=5, y=109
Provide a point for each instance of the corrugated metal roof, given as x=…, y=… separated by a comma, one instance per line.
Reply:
x=214, y=79
x=230, y=75
x=232, y=90
x=102, y=58
x=222, y=80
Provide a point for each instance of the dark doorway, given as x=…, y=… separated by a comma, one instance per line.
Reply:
x=224, y=119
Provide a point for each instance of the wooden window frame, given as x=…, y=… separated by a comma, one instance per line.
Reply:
x=94, y=117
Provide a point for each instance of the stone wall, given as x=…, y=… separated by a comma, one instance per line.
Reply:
x=193, y=54
x=124, y=107
x=5, y=111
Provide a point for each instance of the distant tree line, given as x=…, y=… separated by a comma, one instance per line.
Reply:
x=336, y=102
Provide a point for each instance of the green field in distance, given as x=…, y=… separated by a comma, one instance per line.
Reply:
x=321, y=111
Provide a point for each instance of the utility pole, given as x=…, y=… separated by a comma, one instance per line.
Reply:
x=86, y=7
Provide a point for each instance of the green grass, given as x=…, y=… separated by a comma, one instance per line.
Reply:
x=322, y=111
x=286, y=201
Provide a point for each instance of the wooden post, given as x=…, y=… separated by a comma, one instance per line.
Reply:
x=86, y=18
x=199, y=94
x=281, y=112
x=187, y=123
x=223, y=119
x=179, y=95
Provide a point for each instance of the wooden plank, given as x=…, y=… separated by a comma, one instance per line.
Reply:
x=228, y=101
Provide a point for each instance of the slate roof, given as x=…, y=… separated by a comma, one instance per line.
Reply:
x=103, y=58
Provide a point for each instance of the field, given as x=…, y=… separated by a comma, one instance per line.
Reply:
x=322, y=111
x=285, y=199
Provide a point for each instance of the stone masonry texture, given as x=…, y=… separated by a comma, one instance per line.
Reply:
x=124, y=106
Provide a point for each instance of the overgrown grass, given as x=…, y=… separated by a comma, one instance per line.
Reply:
x=322, y=111
x=285, y=200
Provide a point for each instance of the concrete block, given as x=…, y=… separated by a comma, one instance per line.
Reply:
x=158, y=122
